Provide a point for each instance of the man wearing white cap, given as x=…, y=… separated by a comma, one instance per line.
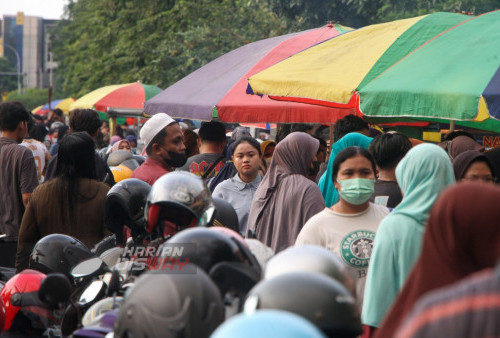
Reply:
x=164, y=143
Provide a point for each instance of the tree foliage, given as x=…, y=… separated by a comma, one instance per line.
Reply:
x=153, y=41
x=34, y=97
x=7, y=82
x=300, y=14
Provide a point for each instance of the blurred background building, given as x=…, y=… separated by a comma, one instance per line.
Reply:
x=25, y=42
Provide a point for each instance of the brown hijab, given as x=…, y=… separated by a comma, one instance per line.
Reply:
x=286, y=199
x=463, y=161
x=461, y=237
x=460, y=144
x=493, y=156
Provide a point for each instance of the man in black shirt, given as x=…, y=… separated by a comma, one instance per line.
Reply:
x=210, y=159
x=387, y=150
x=85, y=120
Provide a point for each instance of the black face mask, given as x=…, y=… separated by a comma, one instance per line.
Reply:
x=176, y=160
x=315, y=168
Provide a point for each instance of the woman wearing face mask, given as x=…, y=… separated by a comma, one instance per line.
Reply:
x=239, y=190
x=326, y=185
x=348, y=227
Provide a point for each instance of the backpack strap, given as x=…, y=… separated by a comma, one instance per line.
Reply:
x=212, y=167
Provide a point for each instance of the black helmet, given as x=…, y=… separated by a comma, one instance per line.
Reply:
x=58, y=253
x=320, y=299
x=124, y=205
x=171, y=305
x=309, y=258
x=178, y=200
x=227, y=260
x=225, y=215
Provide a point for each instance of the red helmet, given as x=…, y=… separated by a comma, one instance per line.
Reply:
x=24, y=312
x=2, y=314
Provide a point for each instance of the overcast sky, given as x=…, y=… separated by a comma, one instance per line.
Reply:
x=47, y=9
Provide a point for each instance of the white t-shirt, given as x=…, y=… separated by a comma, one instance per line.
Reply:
x=41, y=155
x=350, y=236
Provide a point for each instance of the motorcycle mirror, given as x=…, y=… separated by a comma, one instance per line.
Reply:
x=95, y=290
x=114, y=283
x=55, y=289
x=88, y=267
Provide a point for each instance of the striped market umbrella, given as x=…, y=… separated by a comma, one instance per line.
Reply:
x=128, y=95
x=218, y=89
x=439, y=67
x=37, y=110
x=62, y=104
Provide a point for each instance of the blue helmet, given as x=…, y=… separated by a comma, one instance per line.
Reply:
x=268, y=324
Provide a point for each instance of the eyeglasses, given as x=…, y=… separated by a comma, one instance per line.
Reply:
x=487, y=179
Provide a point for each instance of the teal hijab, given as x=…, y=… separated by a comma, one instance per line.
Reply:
x=325, y=184
x=422, y=174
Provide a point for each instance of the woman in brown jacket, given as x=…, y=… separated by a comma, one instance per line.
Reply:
x=72, y=203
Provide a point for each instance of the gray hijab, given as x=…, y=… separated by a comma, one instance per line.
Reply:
x=286, y=199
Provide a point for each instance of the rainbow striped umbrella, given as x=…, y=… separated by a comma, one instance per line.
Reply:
x=37, y=110
x=62, y=104
x=438, y=67
x=128, y=95
x=218, y=88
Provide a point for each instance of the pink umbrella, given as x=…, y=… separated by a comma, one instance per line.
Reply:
x=218, y=89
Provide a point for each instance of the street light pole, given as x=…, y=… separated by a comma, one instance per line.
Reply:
x=18, y=67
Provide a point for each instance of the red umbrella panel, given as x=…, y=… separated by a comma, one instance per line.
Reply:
x=218, y=89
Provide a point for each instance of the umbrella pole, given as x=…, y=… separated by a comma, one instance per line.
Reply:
x=452, y=126
x=112, y=124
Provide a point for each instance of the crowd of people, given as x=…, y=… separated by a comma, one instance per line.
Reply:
x=412, y=225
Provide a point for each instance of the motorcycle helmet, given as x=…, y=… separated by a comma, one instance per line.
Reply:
x=225, y=215
x=171, y=305
x=104, y=305
x=268, y=324
x=178, y=200
x=121, y=173
x=106, y=243
x=230, y=233
x=309, y=258
x=124, y=205
x=102, y=325
x=261, y=251
x=206, y=247
x=320, y=299
x=2, y=315
x=122, y=157
x=58, y=253
x=23, y=312
x=122, y=164
x=227, y=260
